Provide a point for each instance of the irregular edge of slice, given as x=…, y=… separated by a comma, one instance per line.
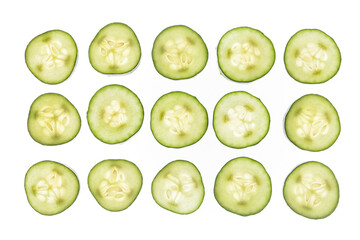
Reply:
x=127, y=162
x=202, y=184
x=62, y=165
x=247, y=81
x=268, y=116
x=72, y=67
x=337, y=185
x=180, y=78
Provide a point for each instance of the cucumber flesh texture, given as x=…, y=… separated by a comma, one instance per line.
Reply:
x=115, y=49
x=245, y=54
x=243, y=186
x=51, y=56
x=240, y=120
x=53, y=120
x=179, y=53
x=115, y=114
x=115, y=183
x=311, y=190
x=51, y=187
x=312, y=123
x=178, y=120
x=178, y=187
x=311, y=56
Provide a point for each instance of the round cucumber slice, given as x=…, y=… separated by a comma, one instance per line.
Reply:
x=179, y=53
x=115, y=183
x=311, y=190
x=51, y=187
x=115, y=114
x=115, y=49
x=178, y=187
x=312, y=123
x=53, y=120
x=311, y=56
x=245, y=54
x=243, y=186
x=51, y=56
x=178, y=120
x=240, y=120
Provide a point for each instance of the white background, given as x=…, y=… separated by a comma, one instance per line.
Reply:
x=279, y=20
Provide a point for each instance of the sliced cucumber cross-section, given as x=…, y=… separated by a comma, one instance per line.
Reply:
x=115, y=114
x=243, y=186
x=312, y=56
x=53, y=120
x=51, y=56
x=240, y=120
x=178, y=187
x=312, y=123
x=115, y=49
x=179, y=52
x=51, y=187
x=115, y=183
x=312, y=190
x=178, y=120
x=245, y=54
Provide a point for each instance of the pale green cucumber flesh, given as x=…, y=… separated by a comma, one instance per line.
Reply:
x=178, y=120
x=178, y=187
x=240, y=120
x=115, y=49
x=312, y=123
x=245, y=54
x=312, y=56
x=51, y=187
x=53, y=120
x=179, y=53
x=115, y=183
x=243, y=186
x=311, y=190
x=115, y=114
x=51, y=56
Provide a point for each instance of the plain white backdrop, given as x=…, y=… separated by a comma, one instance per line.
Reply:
x=279, y=20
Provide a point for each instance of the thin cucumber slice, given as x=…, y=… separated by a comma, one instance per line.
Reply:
x=312, y=123
x=115, y=114
x=51, y=56
x=179, y=53
x=178, y=120
x=312, y=56
x=243, y=186
x=240, y=120
x=245, y=54
x=115, y=49
x=178, y=187
x=115, y=183
x=311, y=190
x=51, y=187
x=53, y=120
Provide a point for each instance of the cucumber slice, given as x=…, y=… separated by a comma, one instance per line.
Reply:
x=240, y=120
x=312, y=123
x=51, y=56
x=245, y=54
x=53, y=120
x=115, y=49
x=178, y=187
x=178, y=120
x=243, y=186
x=311, y=190
x=115, y=114
x=51, y=187
x=311, y=56
x=179, y=53
x=115, y=183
